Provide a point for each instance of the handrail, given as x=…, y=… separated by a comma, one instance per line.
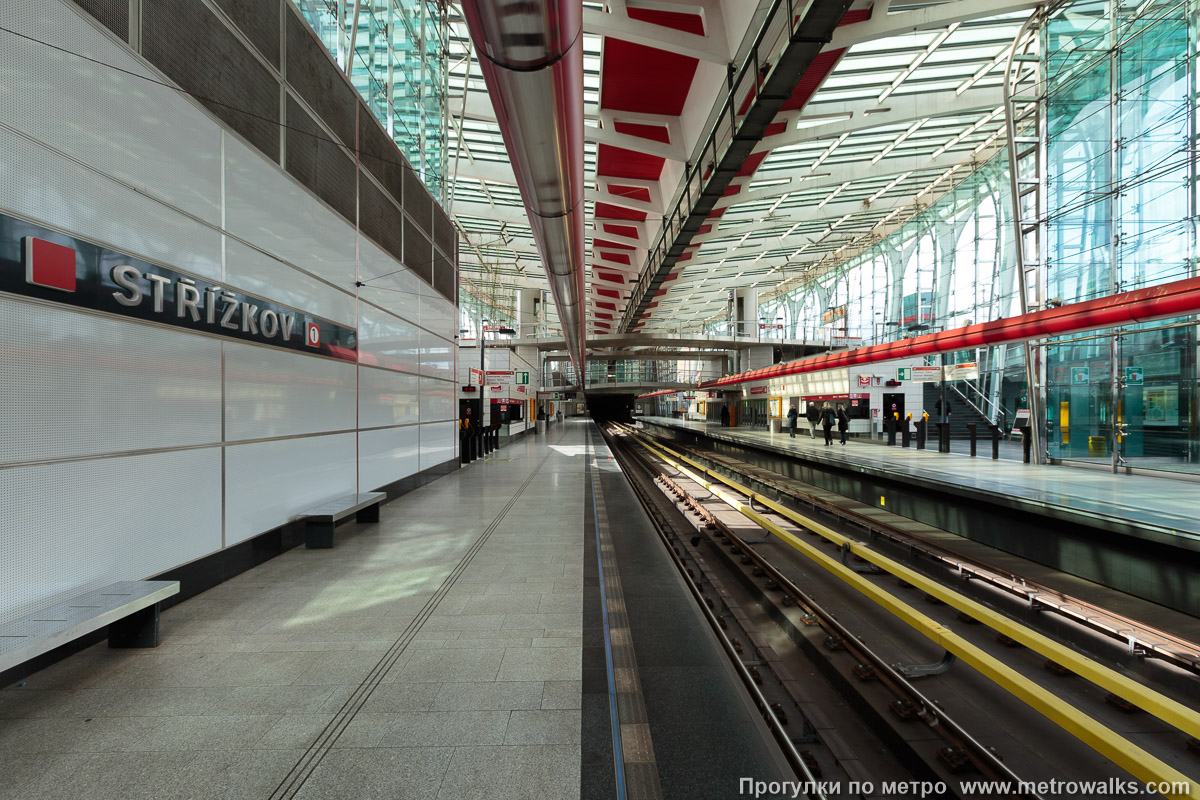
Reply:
x=967, y=400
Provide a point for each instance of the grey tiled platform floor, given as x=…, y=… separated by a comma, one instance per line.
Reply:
x=1161, y=502
x=483, y=702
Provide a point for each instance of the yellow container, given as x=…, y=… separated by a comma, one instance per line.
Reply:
x=1097, y=445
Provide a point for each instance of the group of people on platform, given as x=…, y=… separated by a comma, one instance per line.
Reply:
x=826, y=416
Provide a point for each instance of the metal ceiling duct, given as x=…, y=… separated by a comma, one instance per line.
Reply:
x=531, y=54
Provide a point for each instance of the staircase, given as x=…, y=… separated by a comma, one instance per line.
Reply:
x=961, y=414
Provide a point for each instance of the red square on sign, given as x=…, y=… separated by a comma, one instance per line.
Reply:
x=312, y=334
x=49, y=264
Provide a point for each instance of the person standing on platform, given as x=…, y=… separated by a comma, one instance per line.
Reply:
x=828, y=418
x=724, y=416
x=793, y=415
x=813, y=415
x=843, y=419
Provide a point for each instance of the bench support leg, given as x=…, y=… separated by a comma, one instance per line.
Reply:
x=368, y=514
x=318, y=535
x=139, y=629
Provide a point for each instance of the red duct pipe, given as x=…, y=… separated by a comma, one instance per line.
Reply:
x=1167, y=300
x=531, y=54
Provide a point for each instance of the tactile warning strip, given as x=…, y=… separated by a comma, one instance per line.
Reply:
x=639, y=767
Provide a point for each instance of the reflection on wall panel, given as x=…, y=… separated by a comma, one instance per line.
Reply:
x=437, y=357
x=388, y=455
x=437, y=443
x=308, y=235
x=78, y=384
x=387, y=285
x=387, y=342
x=66, y=197
x=275, y=393
x=387, y=398
x=258, y=273
x=437, y=400
x=438, y=315
x=112, y=519
x=154, y=139
x=267, y=484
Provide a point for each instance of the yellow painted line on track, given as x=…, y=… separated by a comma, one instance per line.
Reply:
x=1138, y=762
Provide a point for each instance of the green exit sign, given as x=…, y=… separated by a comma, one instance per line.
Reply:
x=904, y=373
x=522, y=378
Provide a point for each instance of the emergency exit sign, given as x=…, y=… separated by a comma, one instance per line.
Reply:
x=522, y=378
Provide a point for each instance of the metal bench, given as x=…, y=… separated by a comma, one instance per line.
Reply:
x=128, y=608
x=320, y=521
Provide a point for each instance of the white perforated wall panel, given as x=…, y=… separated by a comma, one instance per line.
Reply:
x=387, y=398
x=154, y=138
x=270, y=392
x=44, y=186
x=386, y=341
x=90, y=523
x=437, y=400
x=268, y=483
x=266, y=207
x=437, y=443
x=437, y=356
x=258, y=273
x=388, y=455
x=388, y=284
x=78, y=384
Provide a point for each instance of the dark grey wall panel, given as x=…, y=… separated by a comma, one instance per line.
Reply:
x=418, y=252
x=112, y=14
x=418, y=202
x=317, y=162
x=317, y=79
x=259, y=21
x=197, y=51
x=379, y=154
x=379, y=219
x=445, y=278
x=444, y=235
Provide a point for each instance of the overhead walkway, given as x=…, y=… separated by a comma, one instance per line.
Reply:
x=1133, y=532
x=454, y=650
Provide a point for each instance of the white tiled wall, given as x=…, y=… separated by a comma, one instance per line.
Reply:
x=121, y=441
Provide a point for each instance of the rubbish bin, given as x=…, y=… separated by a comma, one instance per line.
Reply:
x=1097, y=445
x=541, y=427
x=776, y=426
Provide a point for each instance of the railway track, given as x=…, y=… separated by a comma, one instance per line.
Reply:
x=887, y=691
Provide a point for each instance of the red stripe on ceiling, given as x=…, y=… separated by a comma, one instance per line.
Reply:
x=660, y=292
x=751, y=163
x=671, y=277
x=626, y=84
x=655, y=133
x=858, y=15
x=775, y=128
x=611, y=277
x=604, y=244
x=601, y=315
x=609, y=211
x=684, y=256
x=732, y=188
x=616, y=258
x=617, y=162
x=812, y=78
x=613, y=293
x=705, y=229
x=718, y=212
x=688, y=23
x=650, y=306
x=630, y=192
x=622, y=230
x=609, y=306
